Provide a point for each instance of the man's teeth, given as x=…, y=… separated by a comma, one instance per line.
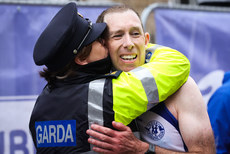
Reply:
x=129, y=57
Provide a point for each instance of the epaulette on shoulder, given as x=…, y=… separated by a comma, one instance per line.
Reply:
x=113, y=75
x=150, y=51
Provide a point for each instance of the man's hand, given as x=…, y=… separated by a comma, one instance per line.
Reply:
x=113, y=142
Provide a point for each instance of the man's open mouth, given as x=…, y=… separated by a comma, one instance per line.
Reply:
x=128, y=57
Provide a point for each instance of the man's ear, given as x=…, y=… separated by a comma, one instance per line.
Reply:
x=147, y=38
x=80, y=62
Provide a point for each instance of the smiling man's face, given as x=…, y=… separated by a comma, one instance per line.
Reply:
x=126, y=40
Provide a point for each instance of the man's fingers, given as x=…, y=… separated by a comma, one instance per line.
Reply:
x=101, y=145
x=103, y=130
x=120, y=126
x=99, y=136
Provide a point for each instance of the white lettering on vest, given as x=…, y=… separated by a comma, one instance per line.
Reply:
x=39, y=136
x=45, y=135
x=55, y=132
x=69, y=134
x=52, y=133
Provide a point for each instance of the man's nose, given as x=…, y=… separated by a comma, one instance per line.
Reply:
x=127, y=42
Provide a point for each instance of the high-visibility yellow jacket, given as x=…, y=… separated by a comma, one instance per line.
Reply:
x=136, y=91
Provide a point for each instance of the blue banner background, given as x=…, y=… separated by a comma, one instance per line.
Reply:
x=203, y=36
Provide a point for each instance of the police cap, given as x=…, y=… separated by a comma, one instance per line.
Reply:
x=64, y=37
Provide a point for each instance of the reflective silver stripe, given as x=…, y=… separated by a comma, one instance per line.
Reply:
x=95, y=102
x=149, y=84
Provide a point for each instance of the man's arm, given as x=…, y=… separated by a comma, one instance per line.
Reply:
x=189, y=109
x=193, y=118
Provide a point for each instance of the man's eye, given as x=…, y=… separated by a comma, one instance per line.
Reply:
x=118, y=35
x=136, y=33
